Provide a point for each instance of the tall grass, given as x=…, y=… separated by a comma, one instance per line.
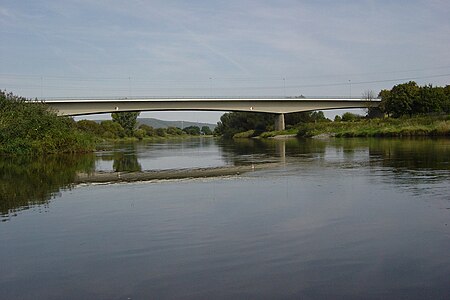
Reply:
x=389, y=127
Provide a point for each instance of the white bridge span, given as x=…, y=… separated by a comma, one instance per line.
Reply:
x=279, y=106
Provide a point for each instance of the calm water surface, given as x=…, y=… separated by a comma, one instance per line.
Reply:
x=337, y=219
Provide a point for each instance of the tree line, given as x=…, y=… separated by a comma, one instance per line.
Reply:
x=411, y=99
x=403, y=99
x=125, y=124
x=235, y=122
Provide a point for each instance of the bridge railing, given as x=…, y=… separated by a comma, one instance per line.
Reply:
x=201, y=97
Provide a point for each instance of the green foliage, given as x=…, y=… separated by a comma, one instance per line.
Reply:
x=161, y=132
x=90, y=126
x=149, y=130
x=389, y=127
x=245, y=134
x=411, y=99
x=139, y=134
x=304, y=117
x=337, y=118
x=206, y=130
x=128, y=121
x=192, y=130
x=112, y=129
x=349, y=117
x=174, y=131
x=232, y=123
x=28, y=127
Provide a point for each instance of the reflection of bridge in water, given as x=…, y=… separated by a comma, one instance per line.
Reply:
x=278, y=106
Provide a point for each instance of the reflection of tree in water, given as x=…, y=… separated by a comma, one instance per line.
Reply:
x=412, y=154
x=412, y=163
x=244, y=151
x=25, y=182
x=126, y=162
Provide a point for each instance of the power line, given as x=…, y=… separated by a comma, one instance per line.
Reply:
x=280, y=78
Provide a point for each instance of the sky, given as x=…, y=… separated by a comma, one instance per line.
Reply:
x=85, y=48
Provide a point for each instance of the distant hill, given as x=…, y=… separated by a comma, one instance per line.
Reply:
x=156, y=123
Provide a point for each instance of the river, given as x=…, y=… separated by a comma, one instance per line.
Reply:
x=290, y=219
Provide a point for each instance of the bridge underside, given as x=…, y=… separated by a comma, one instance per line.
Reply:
x=275, y=106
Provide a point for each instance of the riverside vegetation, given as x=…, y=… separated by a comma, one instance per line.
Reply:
x=28, y=127
x=31, y=128
x=405, y=110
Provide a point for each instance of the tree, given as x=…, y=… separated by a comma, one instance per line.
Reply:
x=192, y=130
x=304, y=117
x=112, y=129
x=128, y=121
x=402, y=98
x=174, y=131
x=232, y=123
x=161, y=132
x=349, y=117
x=370, y=109
x=431, y=99
x=206, y=130
x=386, y=103
x=90, y=126
x=149, y=130
x=446, y=102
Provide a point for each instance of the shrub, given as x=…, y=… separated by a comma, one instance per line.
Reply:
x=31, y=127
x=149, y=130
x=139, y=133
x=115, y=129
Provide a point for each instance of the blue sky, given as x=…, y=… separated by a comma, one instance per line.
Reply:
x=101, y=48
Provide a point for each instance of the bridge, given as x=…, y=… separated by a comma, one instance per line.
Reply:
x=278, y=106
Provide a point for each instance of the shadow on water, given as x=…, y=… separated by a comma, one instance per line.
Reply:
x=26, y=182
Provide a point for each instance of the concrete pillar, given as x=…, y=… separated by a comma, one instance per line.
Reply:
x=279, y=122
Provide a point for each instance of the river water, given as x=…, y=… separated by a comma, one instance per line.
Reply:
x=321, y=219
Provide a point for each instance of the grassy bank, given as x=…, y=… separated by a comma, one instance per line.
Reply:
x=388, y=127
x=31, y=128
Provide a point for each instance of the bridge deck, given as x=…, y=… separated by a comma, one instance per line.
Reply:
x=267, y=105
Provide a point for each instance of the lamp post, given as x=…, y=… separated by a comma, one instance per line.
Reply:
x=350, y=84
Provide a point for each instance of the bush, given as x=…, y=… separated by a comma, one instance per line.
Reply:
x=115, y=129
x=160, y=132
x=139, y=133
x=90, y=126
x=174, y=131
x=149, y=130
x=31, y=127
x=349, y=117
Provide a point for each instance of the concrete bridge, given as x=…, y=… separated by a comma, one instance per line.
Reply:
x=279, y=106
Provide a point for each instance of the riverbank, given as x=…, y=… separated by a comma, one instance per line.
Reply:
x=30, y=128
x=133, y=139
x=387, y=127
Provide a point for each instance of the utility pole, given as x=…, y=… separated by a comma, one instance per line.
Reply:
x=350, y=83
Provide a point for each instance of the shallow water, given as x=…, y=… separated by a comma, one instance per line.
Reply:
x=341, y=219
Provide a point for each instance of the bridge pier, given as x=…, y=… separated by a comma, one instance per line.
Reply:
x=279, y=122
